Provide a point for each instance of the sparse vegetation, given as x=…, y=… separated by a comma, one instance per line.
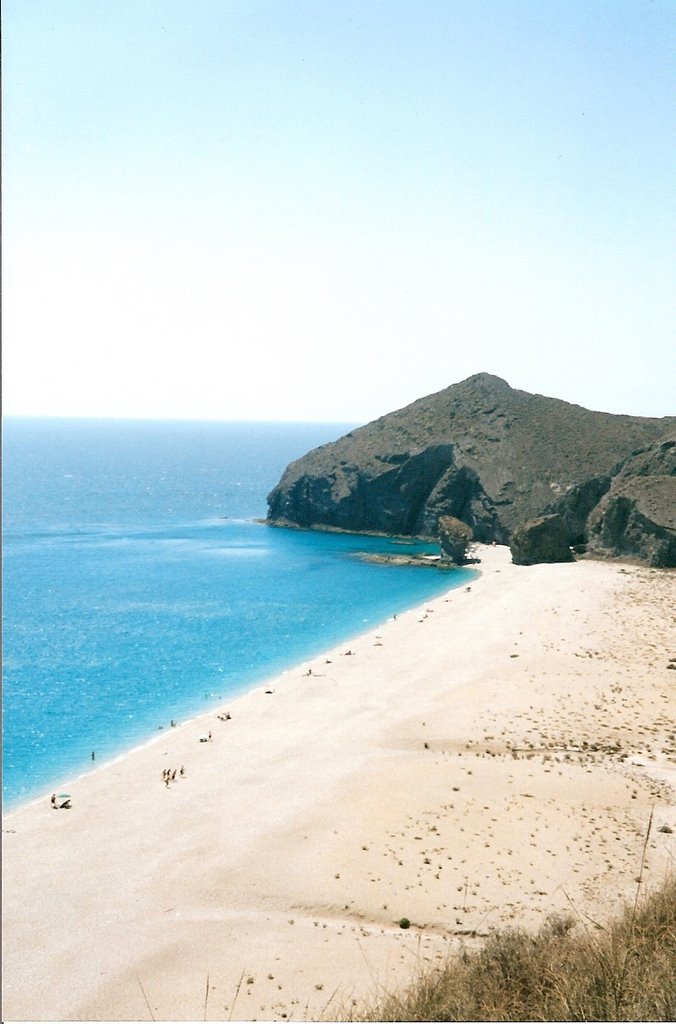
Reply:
x=572, y=970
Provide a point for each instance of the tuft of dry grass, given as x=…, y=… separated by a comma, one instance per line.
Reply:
x=567, y=971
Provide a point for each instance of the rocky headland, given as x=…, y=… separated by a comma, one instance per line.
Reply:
x=496, y=459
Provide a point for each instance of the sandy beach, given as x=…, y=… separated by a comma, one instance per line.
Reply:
x=490, y=758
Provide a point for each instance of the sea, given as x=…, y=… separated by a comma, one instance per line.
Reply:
x=141, y=586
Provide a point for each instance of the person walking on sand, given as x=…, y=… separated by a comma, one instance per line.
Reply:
x=53, y=801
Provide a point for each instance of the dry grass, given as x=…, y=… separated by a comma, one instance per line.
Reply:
x=569, y=971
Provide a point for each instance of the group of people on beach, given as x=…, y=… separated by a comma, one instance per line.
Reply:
x=169, y=775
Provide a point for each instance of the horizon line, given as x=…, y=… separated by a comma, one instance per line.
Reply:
x=100, y=417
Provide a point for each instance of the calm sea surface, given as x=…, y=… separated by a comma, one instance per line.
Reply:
x=138, y=586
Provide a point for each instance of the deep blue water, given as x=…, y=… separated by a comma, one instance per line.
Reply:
x=138, y=586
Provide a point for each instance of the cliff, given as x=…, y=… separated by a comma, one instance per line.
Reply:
x=636, y=517
x=481, y=451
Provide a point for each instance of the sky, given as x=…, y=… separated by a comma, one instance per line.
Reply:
x=326, y=209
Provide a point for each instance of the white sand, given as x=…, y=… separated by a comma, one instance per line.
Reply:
x=385, y=784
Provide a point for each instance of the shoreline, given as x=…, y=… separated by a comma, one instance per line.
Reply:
x=459, y=768
x=223, y=703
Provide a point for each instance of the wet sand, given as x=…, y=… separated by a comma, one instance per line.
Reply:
x=489, y=758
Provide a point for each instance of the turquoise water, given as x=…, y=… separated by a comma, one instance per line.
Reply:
x=139, y=588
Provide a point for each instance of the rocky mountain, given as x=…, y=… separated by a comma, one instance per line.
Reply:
x=480, y=451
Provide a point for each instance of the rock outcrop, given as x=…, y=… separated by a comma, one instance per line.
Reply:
x=576, y=504
x=636, y=518
x=480, y=451
x=544, y=539
x=454, y=539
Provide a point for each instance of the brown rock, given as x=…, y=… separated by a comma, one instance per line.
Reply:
x=454, y=538
x=544, y=539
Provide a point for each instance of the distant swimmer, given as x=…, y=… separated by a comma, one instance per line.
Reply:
x=93, y=756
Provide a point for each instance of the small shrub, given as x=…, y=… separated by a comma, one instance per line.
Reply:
x=404, y=923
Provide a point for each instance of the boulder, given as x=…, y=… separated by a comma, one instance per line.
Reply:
x=454, y=538
x=544, y=539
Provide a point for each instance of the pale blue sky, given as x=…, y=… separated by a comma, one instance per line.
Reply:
x=279, y=209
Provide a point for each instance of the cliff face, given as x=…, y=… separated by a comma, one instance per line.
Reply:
x=480, y=451
x=637, y=515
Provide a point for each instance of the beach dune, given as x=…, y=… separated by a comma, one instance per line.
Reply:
x=489, y=758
